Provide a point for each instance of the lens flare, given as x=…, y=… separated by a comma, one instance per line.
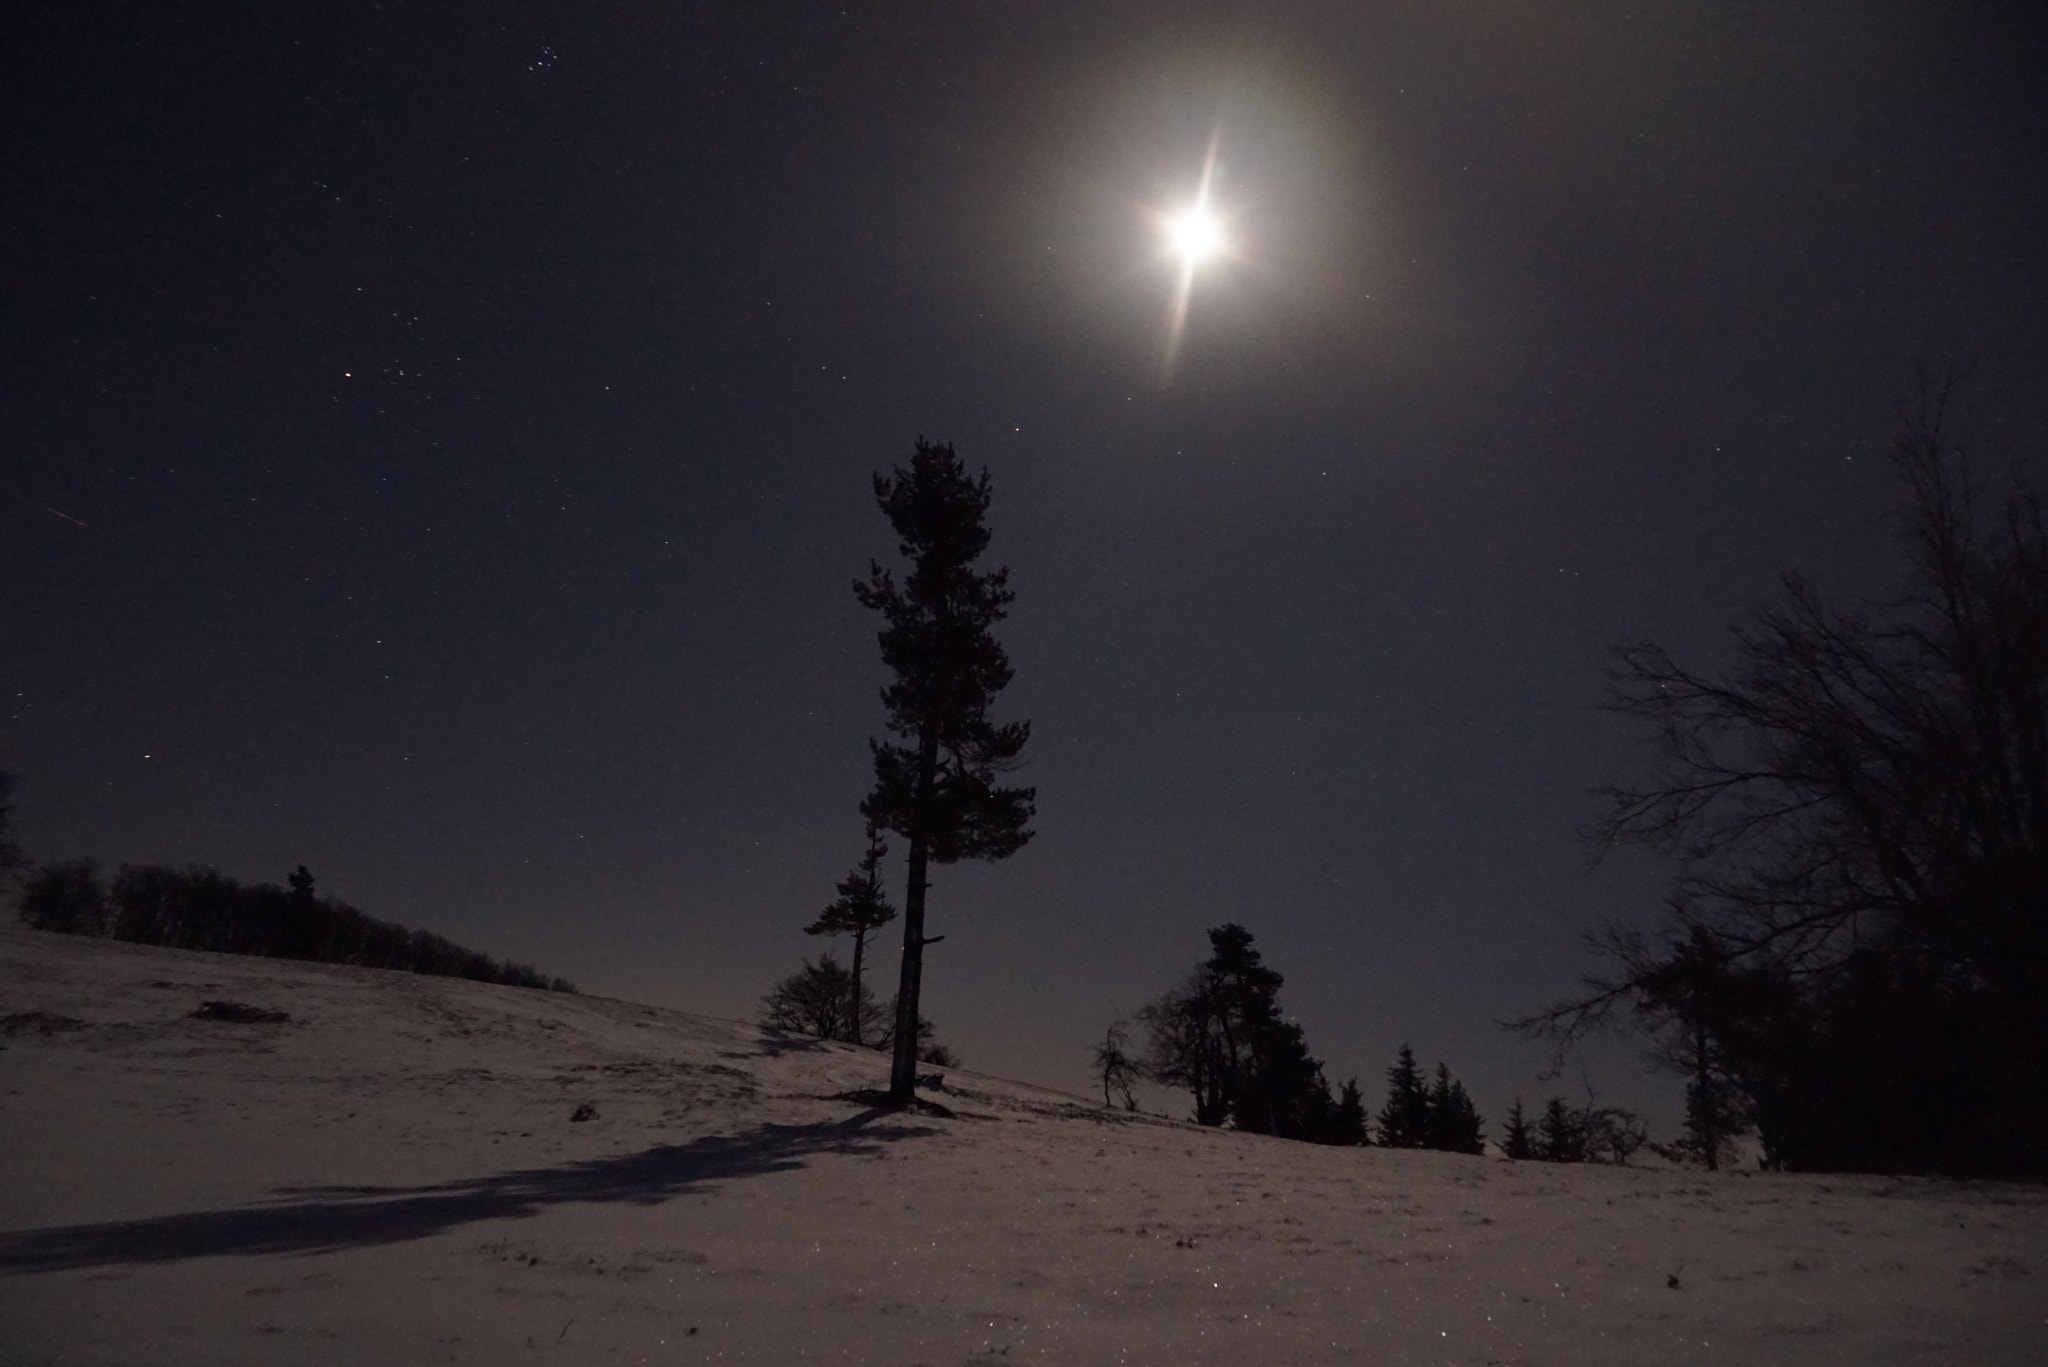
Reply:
x=1194, y=235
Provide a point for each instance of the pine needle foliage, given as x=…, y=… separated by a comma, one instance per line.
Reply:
x=936, y=782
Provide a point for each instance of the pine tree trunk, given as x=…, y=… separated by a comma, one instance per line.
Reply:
x=903, y=1066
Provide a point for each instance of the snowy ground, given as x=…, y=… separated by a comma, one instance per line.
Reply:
x=393, y=1176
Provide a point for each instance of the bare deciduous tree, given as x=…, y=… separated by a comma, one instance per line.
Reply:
x=1116, y=1067
x=1858, y=811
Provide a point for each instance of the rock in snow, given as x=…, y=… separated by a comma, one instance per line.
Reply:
x=387, y=1178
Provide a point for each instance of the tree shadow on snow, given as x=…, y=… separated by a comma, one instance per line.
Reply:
x=337, y=1218
x=775, y=1043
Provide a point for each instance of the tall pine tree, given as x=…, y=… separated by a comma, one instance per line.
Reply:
x=935, y=783
x=860, y=909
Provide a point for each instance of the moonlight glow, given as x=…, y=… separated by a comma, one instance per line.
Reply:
x=1194, y=236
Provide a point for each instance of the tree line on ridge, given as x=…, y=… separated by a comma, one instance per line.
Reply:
x=197, y=907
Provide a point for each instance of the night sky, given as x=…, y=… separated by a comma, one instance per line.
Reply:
x=435, y=445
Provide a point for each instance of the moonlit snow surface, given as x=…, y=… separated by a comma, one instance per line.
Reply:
x=393, y=1176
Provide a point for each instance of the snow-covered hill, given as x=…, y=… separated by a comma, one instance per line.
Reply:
x=394, y=1174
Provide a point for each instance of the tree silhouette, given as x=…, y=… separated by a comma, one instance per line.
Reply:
x=1220, y=1035
x=936, y=784
x=1115, y=1067
x=12, y=860
x=301, y=915
x=1272, y=1079
x=1350, y=1127
x=1613, y=1135
x=818, y=999
x=1434, y=1115
x=1186, y=1046
x=197, y=907
x=1561, y=1136
x=1858, y=813
x=860, y=909
x=1587, y=1134
x=1453, y=1123
x=67, y=897
x=1404, y=1120
x=1519, y=1139
x=1685, y=1001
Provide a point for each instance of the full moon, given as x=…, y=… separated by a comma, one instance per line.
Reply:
x=1194, y=235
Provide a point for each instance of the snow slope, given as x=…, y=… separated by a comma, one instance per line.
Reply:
x=393, y=1175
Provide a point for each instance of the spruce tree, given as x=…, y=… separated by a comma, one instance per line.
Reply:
x=1562, y=1133
x=1404, y=1120
x=1350, y=1126
x=860, y=909
x=935, y=784
x=1519, y=1141
x=1452, y=1122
